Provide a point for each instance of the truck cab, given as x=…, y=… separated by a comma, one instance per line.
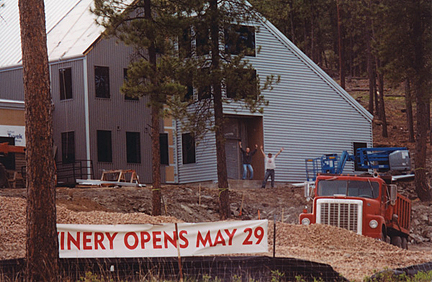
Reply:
x=366, y=205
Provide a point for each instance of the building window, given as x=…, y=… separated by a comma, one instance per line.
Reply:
x=185, y=43
x=68, y=147
x=126, y=96
x=102, y=85
x=204, y=88
x=104, y=146
x=240, y=39
x=242, y=84
x=202, y=42
x=163, y=141
x=65, y=83
x=133, y=147
x=188, y=148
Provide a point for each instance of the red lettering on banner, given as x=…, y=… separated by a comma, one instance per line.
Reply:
x=144, y=240
x=219, y=239
x=126, y=240
x=86, y=240
x=172, y=240
x=156, y=239
x=111, y=239
x=230, y=236
x=204, y=241
x=62, y=246
x=247, y=241
x=76, y=241
x=99, y=237
x=185, y=240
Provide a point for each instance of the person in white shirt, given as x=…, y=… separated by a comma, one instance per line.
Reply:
x=270, y=166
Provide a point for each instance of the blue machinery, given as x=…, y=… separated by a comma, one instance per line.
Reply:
x=379, y=159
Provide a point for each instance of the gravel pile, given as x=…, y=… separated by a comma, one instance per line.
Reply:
x=352, y=255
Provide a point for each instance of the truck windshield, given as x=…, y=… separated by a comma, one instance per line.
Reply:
x=352, y=188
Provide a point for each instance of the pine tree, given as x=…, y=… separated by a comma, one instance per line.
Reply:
x=42, y=245
x=145, y=25
x=407, y=41
x=220, y=75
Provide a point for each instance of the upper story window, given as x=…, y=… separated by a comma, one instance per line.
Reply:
x=185, y=43
x=242, y=85
x=240, y=39
x=102, y=84
x=65, y=75
x=205, y=89
x=202, y=41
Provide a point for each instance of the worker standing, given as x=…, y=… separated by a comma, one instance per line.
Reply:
x=247, y=160
x=270, y=166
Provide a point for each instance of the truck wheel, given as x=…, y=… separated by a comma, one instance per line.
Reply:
x=404, y=244
x=3, y=176
x=384, y=235
x=397, y=241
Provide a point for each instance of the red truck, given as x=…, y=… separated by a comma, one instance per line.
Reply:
x=366, y=205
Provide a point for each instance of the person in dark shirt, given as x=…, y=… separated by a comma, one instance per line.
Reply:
x=247, y=160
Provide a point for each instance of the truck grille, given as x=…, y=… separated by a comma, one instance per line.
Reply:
x=345, y=214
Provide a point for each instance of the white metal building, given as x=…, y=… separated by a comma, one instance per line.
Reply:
x=308, y=113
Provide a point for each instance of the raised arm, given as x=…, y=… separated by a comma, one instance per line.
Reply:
x=279, y=152
x=262, y=151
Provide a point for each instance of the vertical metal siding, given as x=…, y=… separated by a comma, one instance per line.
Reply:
x=117, y=114
x=68, y=115
x=307, y=114
x=11, y=84
x=204, y=169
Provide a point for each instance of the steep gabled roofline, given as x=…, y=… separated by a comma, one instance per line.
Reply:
x=321, y=73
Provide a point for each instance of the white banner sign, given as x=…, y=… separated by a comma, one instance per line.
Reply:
x=147, y=240
x=17, y=132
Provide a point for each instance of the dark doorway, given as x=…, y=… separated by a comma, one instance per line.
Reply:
x=249, y=131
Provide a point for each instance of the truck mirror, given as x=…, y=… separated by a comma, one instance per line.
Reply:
x=308, y=189
x=393, y=194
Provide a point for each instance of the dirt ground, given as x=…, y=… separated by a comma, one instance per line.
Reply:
x=352, y=255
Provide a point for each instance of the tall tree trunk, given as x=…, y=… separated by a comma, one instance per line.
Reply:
x=409, y=111
x=369, y=58
x=340, y=44
x=219, y=118
x=422, y=187
x=42, y=243
x=155, y=110
x=428, y=103
x=377, y=100
x=384, y=131
x=421, y=89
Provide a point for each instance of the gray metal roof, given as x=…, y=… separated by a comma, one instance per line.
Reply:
x=71, y=29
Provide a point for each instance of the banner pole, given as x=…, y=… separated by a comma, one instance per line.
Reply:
x=178, y=253
x=274, y=236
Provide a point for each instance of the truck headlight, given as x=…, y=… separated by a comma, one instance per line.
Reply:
x=373, y=224
x=305, y=221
